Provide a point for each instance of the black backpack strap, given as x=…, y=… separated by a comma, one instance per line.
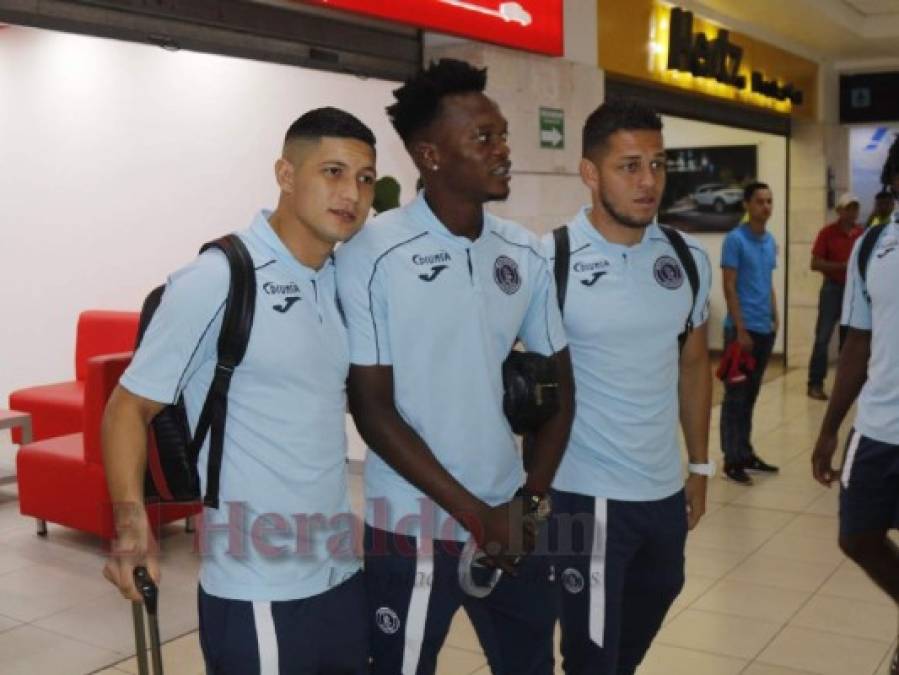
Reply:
x=232, y=345
x=560, y=268
x=689, y=264
x=869, y=240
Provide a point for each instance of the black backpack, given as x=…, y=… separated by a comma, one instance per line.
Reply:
x=869, y=240
x=563, y=255
x=172, y=474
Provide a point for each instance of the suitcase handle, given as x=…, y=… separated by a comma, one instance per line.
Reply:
x=150, y=594
x=147, y=589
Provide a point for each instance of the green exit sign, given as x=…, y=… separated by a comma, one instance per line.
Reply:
x=552, y=128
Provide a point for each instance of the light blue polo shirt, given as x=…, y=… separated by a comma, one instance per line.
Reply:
x=624, y=309
x=755, y=258
x=877, y=414
x=444, y=311
x=283, y=488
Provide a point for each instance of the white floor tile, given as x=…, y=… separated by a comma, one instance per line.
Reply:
x=718, y=633
x=824, y=653
x=28, y=650
x=849, y=617
x=739, y=598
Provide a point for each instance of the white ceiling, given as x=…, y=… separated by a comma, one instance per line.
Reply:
x=853, y=34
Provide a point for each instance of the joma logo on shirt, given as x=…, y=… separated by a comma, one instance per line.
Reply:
x=592, y=280
x=435, y=270
x=289, y=302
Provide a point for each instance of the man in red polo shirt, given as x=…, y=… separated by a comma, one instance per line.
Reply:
x=829, y=256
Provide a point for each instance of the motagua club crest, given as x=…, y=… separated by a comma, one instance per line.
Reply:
x=668, y=273
x=505, y=273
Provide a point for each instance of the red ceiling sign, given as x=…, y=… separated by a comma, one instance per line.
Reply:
x=532, y=25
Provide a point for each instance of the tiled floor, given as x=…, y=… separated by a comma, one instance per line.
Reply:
x=768, y=592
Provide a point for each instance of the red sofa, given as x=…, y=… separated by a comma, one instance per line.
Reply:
x=56, y=409
x=62, y=480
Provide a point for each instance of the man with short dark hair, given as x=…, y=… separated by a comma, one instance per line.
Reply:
x=748, y=259
x=435, y=294
x=884, y=205
x=282, y=599
x=869, y=370
x=621, y=509
x=830, y=255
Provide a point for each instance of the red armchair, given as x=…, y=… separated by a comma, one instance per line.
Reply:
x=61, y=479
x=56, y=409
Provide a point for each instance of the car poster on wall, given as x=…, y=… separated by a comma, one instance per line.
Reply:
x=704, y=188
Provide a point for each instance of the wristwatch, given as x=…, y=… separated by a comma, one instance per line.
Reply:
x=707, y=469
x=536, y=505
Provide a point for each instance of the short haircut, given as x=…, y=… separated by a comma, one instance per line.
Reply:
x=615, y=115
x=752, y=188
x=418, y=100
x=884, y=194
x=891, y=165
x=329, y=122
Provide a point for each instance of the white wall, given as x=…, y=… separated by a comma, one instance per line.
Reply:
x=117, y=161
x=868, y=148
x=772, y=163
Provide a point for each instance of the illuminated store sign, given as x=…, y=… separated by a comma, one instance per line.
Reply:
x=532, y=25
x=711, y=65
x=718, y=58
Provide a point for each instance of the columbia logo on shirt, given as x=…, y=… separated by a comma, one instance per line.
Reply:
x=271, y=288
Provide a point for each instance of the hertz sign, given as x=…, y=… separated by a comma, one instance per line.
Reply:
x=718, y=58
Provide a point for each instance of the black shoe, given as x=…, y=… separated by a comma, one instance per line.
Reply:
x=894, y=666
x=816, y=391
x=758, y=465
x=737, y=474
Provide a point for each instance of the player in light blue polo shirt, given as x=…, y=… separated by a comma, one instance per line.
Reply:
x=869, y=370
x=748, y=259
x=280, y=586
x=628, y=302
x=435, y=295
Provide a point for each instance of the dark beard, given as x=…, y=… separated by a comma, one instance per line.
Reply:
x=620, y=218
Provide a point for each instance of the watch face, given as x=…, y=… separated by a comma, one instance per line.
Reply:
x=544, y=508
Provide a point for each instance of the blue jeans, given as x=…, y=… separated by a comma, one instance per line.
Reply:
x=830, y=305
x=739, y=401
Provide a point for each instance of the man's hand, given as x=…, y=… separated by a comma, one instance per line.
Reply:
x=822, y=456
x=695, y=493
x=505, y=534
x=745, y=340
x=134, y=545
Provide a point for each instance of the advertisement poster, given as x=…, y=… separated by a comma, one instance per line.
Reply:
x=704, y=189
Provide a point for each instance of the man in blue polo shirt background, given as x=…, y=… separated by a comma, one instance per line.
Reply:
x=435, y=295
x=275, y=596
x=748, y=259
x=627, y=301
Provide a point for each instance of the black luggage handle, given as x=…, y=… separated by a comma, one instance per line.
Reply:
x=150, y=594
